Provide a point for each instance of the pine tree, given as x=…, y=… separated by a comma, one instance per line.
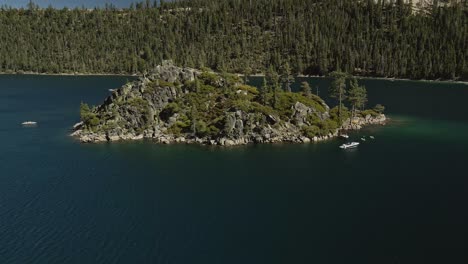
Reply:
x=337, y=89
x=306, y=90
x=372, y=38
x=273, y=81
x=264, y=92
x=357, y=95
x=286, y=77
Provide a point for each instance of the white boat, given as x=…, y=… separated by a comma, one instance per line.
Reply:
x=363, y=139
x=349, y=145
x=29, y=123
x=344, y=136
x=112, y=90
x=372, y=137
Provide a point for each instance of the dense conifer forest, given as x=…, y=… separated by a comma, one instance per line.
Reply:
x=371, y=38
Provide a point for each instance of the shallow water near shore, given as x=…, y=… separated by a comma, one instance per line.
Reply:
x=399, y=198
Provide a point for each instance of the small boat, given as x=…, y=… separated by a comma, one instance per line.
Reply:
x=349, y=145
x=112, y=90
x=344, y=136
x=363, y=139
x=372, y=137
x=29, y=123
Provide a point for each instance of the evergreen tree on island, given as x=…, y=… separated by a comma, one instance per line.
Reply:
x=286, y=77
x=357, y=96
x=338, y=90
x=306, y=90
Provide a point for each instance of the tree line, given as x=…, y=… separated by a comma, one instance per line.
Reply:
x=312, y=37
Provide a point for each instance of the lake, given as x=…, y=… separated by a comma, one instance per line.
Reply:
x=400, y=198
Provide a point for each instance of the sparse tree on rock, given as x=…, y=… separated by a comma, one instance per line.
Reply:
x=357, y=95
x=306, y=90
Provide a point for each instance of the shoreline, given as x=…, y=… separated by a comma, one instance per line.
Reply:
x=239, y=74
x=354, y=124
x=412, y=80
x=68, y=74
x=372, y=78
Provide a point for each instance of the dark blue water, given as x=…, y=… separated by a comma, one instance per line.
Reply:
x=398, y=199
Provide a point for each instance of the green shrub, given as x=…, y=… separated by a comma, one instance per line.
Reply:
x=334, y=113
x=206, y=89
x=231, y=79
x=328, y=126
x=169, y=111
x=243, y=105
x=213, y=131
x=248, y=88
x=285, y=101
x=310, y=131
x=314, y=120
x=259, y=108
x=371, y=112
x=209, y=78
x=201, y=128
x=183, y=122
x=379, y=108
x=165, y=84
x=182, y=125
x=88, y=117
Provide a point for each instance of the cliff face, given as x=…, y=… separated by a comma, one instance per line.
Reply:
x=175, y=104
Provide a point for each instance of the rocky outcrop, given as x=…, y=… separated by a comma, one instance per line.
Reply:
x=301, y=112
x=150, y=108
x=357, y=123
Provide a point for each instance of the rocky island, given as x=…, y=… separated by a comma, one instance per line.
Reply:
x=184, y=105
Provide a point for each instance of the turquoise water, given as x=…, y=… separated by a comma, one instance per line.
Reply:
x=400, y=198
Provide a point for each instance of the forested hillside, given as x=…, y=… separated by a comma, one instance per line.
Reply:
x=247, y=36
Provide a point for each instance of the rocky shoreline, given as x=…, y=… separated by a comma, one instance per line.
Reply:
x=270, y=136
x=144, y=110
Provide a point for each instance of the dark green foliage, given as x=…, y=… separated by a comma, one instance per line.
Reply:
x=320, y=127
x=371, y=112
x=338, y=89
x=88, y=117
x=286, y=100
x=379, y=108
x=210, y=78
x=373, y=38
x=264, y=89
x=305, y=89
x=286, y=77
x=311, y=131
x=140, y=107
x=328, y=126
x=250, y=89
x=273, y=84
x=182, y=125
x=357, y=95
x=161, y=83
x=169, y=110
x=345, y=114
